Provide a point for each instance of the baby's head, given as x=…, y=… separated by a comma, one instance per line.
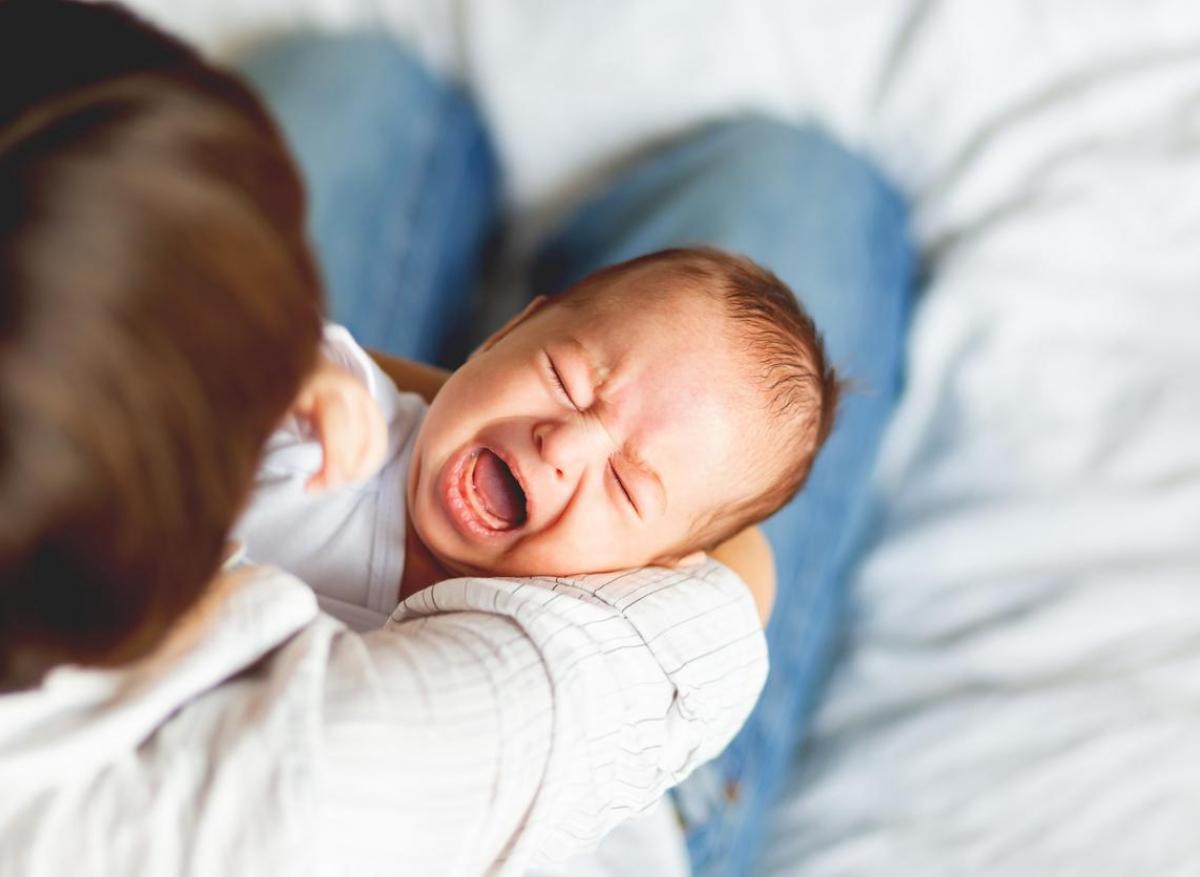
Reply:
x=649, y=412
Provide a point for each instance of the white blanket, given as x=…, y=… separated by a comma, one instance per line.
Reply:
x=1022, y=690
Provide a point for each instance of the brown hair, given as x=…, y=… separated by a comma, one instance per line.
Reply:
x=788, y=361
x=158, y=310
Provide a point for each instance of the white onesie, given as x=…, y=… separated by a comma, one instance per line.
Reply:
x=346, y=543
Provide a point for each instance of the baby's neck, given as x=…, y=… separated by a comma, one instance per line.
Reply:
x=421, y=568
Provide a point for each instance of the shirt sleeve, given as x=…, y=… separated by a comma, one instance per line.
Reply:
x=497, y=723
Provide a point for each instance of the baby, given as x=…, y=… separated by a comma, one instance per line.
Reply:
x=643, y=416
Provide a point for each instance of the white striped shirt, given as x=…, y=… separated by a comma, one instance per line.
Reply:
x=491, y=724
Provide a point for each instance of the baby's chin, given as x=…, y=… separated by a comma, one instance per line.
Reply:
x=449, y=562
x=545, y=563
x=461, y=564
x=546, y=559
x=456, y=562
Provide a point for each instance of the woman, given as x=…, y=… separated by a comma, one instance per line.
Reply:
x=165, y=709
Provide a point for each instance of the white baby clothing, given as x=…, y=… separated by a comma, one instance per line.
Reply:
x=346, y=543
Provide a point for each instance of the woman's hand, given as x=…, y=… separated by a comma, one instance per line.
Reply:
x=348, y=424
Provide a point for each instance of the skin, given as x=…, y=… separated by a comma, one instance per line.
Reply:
x=618, y=430
x=747, y=553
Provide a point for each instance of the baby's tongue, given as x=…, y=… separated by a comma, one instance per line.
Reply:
x=498, y=489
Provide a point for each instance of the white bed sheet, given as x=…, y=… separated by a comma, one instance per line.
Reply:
x=1021, y=694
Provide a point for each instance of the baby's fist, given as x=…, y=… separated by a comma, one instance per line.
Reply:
x=348, y=423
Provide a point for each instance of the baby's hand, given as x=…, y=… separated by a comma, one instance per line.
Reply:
x=348, y=423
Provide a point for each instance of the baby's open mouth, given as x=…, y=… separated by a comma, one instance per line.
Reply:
x=493, y=491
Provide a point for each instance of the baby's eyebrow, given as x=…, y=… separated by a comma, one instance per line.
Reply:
x=598, y=374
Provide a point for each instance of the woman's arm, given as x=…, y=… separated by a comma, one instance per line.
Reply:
x=492, y=725
x=524, y=718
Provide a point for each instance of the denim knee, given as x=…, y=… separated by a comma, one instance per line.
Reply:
x=402, y=179
x=788, y=196
x=795, y=179
x=793, y=158
x=328, y=90
x=352, y=65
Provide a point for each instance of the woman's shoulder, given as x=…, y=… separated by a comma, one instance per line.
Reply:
x=99, y=713
x=101, y=748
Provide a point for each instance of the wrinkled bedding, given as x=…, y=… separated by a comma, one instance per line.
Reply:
x=1020, y=692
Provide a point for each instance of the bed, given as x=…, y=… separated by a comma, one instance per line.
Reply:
x=1020, y=689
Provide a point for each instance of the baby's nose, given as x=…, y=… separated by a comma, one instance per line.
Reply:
x=567, y=445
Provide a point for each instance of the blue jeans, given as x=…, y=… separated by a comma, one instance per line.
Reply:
x=404, y=189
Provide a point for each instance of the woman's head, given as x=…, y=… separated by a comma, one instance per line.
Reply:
x=158, y=309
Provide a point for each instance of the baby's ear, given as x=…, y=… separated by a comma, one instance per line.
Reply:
x=530, y=309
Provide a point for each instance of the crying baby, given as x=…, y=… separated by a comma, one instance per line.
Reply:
x=641, y=417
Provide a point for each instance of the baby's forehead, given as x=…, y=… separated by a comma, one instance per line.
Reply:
x=673, y=309
x=648, y=287
x=677, y=330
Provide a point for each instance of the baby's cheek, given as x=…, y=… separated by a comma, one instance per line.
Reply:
x=557, y=553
